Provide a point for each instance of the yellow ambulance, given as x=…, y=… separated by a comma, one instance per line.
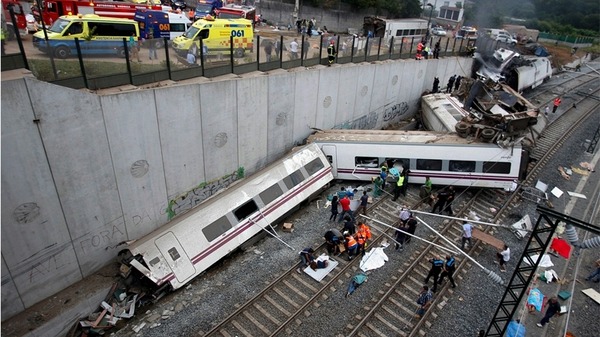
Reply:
x=216, y=36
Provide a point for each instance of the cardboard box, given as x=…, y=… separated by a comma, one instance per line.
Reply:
x=288, y=227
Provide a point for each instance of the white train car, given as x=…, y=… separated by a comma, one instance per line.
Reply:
x=532, y=75
x=183, y=248
x=446, y=158
x=441, y=112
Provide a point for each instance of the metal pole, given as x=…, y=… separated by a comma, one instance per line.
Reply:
x=281, y=51
x=469, y=220
x=81, y=65
x=495, y=277
x=127, y=62
x=352, y=50
x=411, y=235
x=379, y=48
x=168, y=60
x=257, y=52
x=202, y=55
x=50, y=51
x=231, y=52
x=11, y=10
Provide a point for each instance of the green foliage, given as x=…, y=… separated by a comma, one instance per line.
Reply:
x=240, y=172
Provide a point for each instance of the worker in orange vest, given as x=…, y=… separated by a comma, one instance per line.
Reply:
x=351, y=245
x=363, y=233
x=420, y=47
x=557, y=102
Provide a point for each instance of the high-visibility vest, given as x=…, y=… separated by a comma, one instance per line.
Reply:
x=400, y=181
x=557, y=101
x=350, y=241
x=365, y=231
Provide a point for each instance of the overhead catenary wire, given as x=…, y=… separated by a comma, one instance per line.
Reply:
x=469, y=220
x=411, y=235
x=495, y=277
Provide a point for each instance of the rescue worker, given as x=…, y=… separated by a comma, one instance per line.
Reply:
x=448, y=270
x=333, y=238
x=351, y=245
x=436, y=268
x=331, y=52
x=557, y=102
x=398, y=188
x=383, y=175
x=3, y=34
x=420, y=47
x=363, y=234
x=426, y=52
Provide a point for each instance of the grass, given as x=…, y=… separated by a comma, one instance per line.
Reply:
x=42, y=68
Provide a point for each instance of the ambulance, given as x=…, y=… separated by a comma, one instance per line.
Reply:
x=158, y=24
x=96, y=35
x=216, y=36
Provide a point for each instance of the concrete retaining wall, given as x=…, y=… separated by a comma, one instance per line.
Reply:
x=82, y=172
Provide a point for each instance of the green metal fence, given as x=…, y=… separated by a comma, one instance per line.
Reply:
x=567, y=38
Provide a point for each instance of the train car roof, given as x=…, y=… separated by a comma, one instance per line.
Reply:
x=392, y=136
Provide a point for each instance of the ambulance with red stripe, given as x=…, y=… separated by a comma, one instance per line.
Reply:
x=216, y=36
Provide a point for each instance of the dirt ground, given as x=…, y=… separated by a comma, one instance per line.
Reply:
x=561, y=55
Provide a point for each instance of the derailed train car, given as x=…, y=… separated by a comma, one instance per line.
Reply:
x=446, y=158
x=183, y=248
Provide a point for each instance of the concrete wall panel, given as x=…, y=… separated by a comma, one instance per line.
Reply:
x=364, y=88
x=327, y=98
x=252, y=116
x=346, y=95
x=218, y=104
x=305, y=103
x=430, y=72
x=137, y=159
x=11, y=301
x=281, y=113
x=180, y=127
x=79, y=156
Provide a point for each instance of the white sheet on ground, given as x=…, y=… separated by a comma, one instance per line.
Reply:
x=320, y=274
x=550, y=275
x=545, y=263
x=374, y=259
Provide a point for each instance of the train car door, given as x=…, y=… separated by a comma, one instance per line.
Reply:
x=176, y=257
x=331, y=154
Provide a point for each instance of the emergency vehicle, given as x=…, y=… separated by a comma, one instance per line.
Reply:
x=232, y=11
x=216, y=36
x=467, y=33
x=206, y=7
x=53, y=9
x=96, y=35
x=158, y=24
x=19, y=16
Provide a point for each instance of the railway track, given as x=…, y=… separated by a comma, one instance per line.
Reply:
x=544, y=94
x=292, y=302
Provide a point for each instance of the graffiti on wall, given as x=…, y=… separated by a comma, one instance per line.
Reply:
x=396, y=111
x=365, y=122
x=197, y=195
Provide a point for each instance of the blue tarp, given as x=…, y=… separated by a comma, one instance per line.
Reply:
x=541, y=52
x=535, y=298
x=515, y=329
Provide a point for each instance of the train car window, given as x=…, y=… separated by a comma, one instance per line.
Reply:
x=174, y=254
x=154, y=261
x=293, y=179
x=314, y=166
x=429, y=164
x=398, y=162
x=366, y=162
x=462, y=166
x=217, y=228
x=496, y=167
x=267, y=196
x=245, y=210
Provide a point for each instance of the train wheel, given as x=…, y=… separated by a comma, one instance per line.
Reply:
x=488, y=134
x=462, y=129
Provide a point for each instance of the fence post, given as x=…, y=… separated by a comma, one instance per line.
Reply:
x=127, y=63
x=391, y=47
x=257, y=52
x=231, y=52
x=352, y=51
x=202, y=56
x=401, y=47
x=412, y=42
x=367, y=48
x=379, y=48
x=321, y=48
x=281, y=51
x=81, y=65
x=11, y=11
x=167, y=57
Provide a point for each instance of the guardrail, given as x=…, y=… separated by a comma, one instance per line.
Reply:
x=85, y=68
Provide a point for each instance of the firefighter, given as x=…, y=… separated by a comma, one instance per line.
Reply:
x=363, y=234
x=420, y=47
x=331, y=52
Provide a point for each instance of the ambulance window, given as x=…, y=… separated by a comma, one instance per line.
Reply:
x=178, y=27
x=111, y=29
x=203, y=34
x=75, y=28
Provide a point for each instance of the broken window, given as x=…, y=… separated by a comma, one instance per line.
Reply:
x=245, y=210
x=366, y=162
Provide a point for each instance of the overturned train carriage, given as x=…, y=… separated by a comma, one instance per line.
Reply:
x=446, y=158
x=183, y=248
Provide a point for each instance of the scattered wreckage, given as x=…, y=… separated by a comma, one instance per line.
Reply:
x=484, y=110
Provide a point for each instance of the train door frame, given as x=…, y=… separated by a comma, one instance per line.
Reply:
x=330, y=152
x=181, y=265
